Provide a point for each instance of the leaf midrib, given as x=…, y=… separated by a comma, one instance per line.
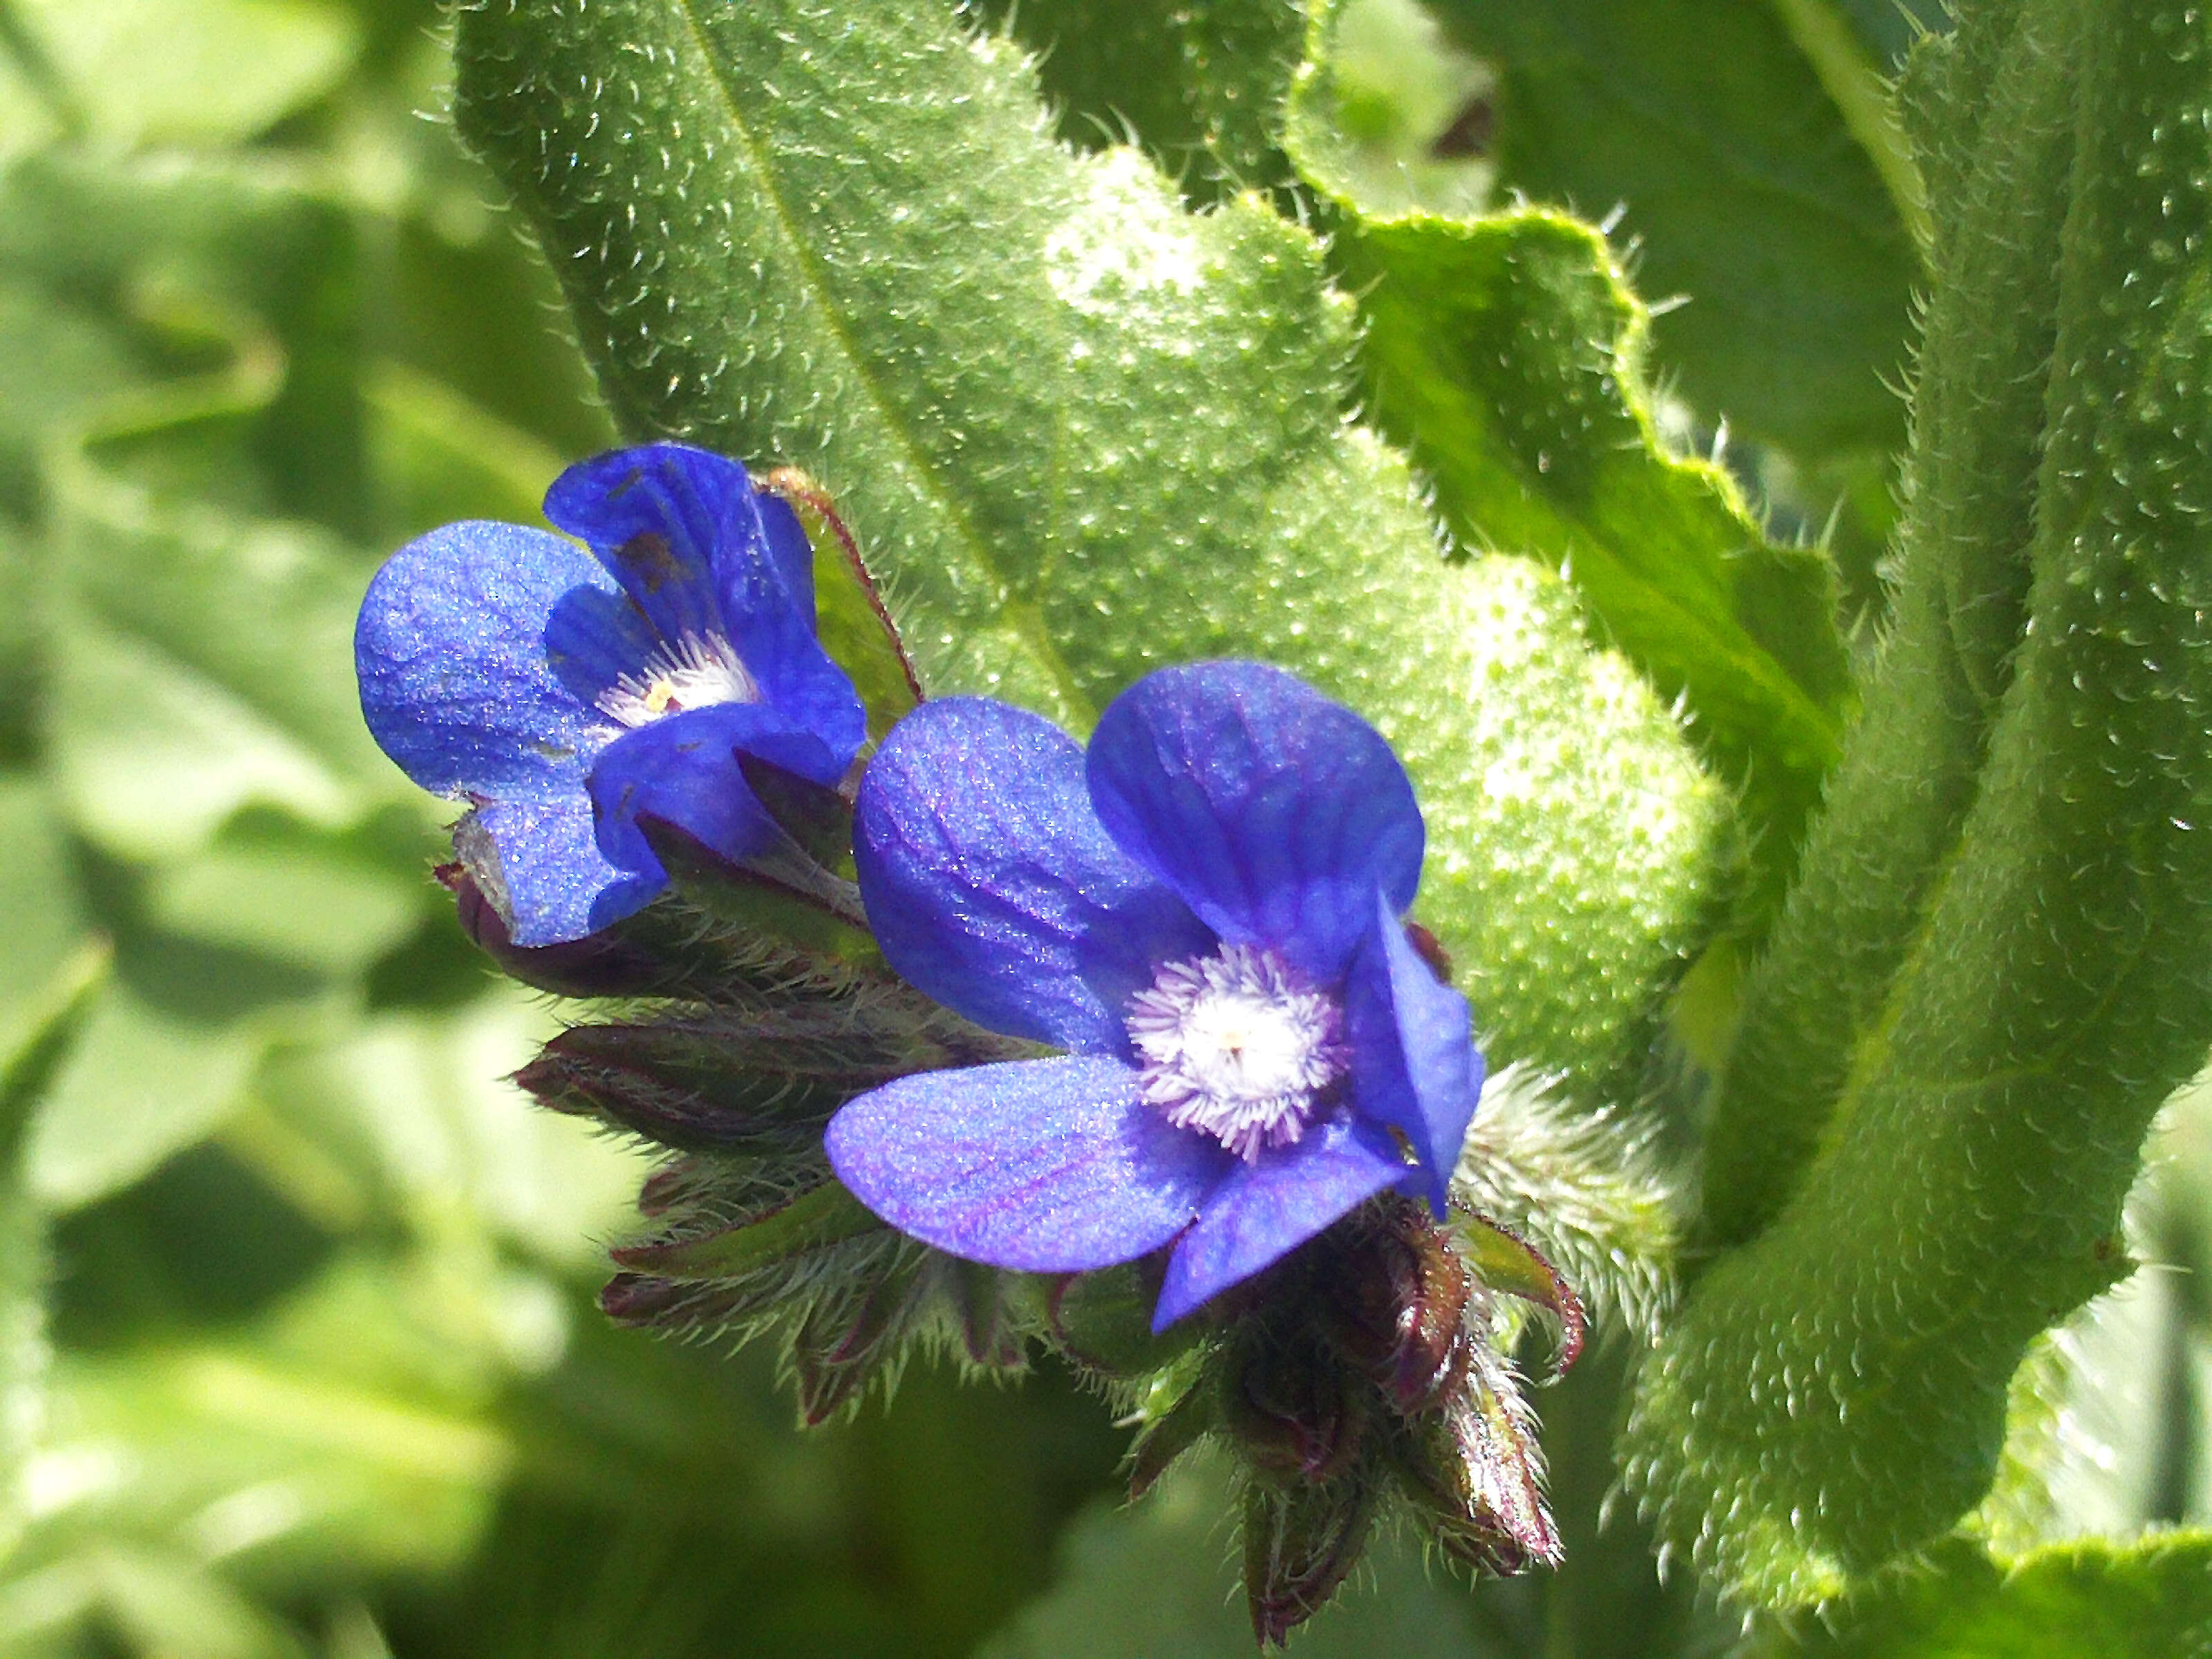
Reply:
x=818, y=290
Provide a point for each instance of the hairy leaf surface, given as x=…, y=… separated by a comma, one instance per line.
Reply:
x=1081, y=433
x=2052, y=987
x=1509, y=356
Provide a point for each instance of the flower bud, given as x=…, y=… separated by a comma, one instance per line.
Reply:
x=1292, y=1411
x=691, y=1088
x=1393, y=1296
x=975, y=1297
x=1301, y=1541
x=843, y=1341
x=1474, y=1467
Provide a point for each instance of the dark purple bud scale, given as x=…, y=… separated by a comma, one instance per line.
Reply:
x=1395, y=1300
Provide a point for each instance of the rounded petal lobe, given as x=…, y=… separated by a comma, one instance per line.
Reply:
x=1273, y=812
x=991, y=886
x=1044, y=1165
x=656, y=515
x=1265, y=1210
x=458, y=683
x=683, y=768
x=540, y=864
x=1414, y=1064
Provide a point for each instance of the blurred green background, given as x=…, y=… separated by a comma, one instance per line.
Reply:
x=297, y=1349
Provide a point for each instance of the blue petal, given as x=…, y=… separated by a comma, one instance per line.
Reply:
x=1414, y=1066
x=452, y=651
x=991, y=886
x=1267, y=1209
x=1045, y=1165
x=787, y=546
x=656, y=515
x=594, y=636
x=702, y=553
x=548, y=879
x=764, y=585
x=684, y=768
x=1273, y=812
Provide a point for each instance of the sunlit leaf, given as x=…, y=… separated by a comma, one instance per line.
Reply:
x=1080, y=433
x=1744, y=186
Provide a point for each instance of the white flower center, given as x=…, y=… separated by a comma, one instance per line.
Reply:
x=1237, y=1045
x=694, y=672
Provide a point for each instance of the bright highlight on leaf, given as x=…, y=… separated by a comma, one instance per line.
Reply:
x=1080, y=433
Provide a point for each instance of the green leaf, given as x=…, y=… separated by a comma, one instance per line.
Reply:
x=58, y=363
x=27, y=118
x=236, y=281
x=205, y=72
x=43, y=925
x=288, y=897
x=141, y=1083
x=1746, y=186
x=1080, y=433
x=1199, y=88
x=2151, y=1600
x=2038, y=961
x=437, y=456
x=204, y=662
x=49, y=971
x=1509, y=355
x=418, y=1115
x=158, y=1600
x=1997, y=124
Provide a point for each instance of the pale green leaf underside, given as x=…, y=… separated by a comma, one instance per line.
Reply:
x=1082, y=434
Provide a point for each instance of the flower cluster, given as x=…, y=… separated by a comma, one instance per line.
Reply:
x=1203, y=912
x=1145, y=1017
x=573, y=697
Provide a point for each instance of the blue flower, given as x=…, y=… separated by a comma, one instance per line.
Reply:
x=565, y=694
x=1204, y=913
